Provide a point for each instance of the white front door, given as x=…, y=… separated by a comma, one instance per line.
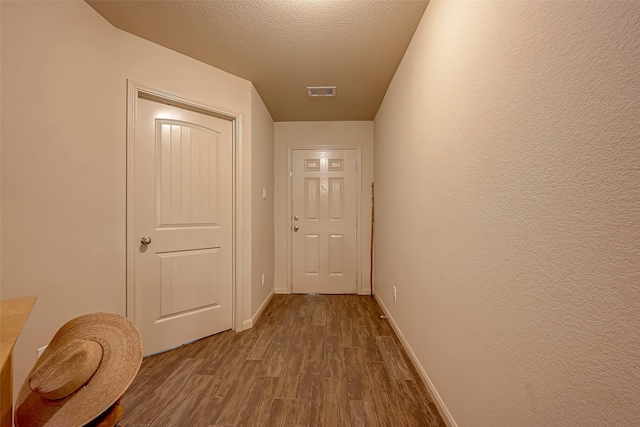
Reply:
x=183, y=225
x=323, y=202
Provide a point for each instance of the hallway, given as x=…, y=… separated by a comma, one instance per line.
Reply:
x=312, y=360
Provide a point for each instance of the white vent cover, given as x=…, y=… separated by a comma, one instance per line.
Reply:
x=313, y=91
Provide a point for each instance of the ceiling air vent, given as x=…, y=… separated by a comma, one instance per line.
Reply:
x=321, y=91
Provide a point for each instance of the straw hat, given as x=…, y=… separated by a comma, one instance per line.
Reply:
x=87, y=367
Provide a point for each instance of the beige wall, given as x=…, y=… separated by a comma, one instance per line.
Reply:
x=64, y=79
x=63, y=168
x=262, y=209
x=304, y=134
x=507, y=210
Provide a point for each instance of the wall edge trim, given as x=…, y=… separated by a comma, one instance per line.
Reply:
x=256, y=316
x=444, y=412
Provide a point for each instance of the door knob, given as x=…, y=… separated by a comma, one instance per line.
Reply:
x=145, y=240
x=296, y=228
x=295, y=218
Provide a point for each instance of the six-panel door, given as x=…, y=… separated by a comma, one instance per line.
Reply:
x=324, y=221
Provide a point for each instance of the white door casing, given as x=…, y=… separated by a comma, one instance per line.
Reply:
x=324, y=221
x=181, y=284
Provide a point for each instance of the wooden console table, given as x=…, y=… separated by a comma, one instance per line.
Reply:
x=13, y=315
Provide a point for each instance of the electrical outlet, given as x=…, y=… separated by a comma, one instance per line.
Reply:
x=40, y=350
x=395, y=294
x=263, y=279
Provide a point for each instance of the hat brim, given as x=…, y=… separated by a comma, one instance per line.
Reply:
x=121, y=358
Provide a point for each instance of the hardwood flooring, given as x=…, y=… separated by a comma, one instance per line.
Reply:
x=311, y=360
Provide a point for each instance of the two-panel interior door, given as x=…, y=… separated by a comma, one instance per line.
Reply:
x=183, y=225
x=323, y=221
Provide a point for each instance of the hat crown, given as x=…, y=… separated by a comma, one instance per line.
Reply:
x=66, y=369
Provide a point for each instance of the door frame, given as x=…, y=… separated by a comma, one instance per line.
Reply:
x=134, y=92
x=358, y=151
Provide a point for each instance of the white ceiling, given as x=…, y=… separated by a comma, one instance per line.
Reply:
x=285, y=46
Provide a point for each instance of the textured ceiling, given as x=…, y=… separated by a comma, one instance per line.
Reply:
x=285, y=46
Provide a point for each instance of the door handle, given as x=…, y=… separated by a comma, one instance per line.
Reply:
x=145, y=240
x=295, y=228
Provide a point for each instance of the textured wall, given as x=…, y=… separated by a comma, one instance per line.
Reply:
x=508, y=210
x=262, y=209
x=63, y=173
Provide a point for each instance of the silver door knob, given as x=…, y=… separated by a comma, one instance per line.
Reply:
x=296, y=228
x=145, y=240
x=295, y=218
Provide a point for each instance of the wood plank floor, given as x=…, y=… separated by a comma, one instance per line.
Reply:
x=311, y=360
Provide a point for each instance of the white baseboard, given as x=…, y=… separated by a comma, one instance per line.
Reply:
x=246, y=325
x=362, y=291
x=444, y=412
x=249, y=323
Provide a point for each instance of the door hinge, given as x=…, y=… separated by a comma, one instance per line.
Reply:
x=290, y=173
